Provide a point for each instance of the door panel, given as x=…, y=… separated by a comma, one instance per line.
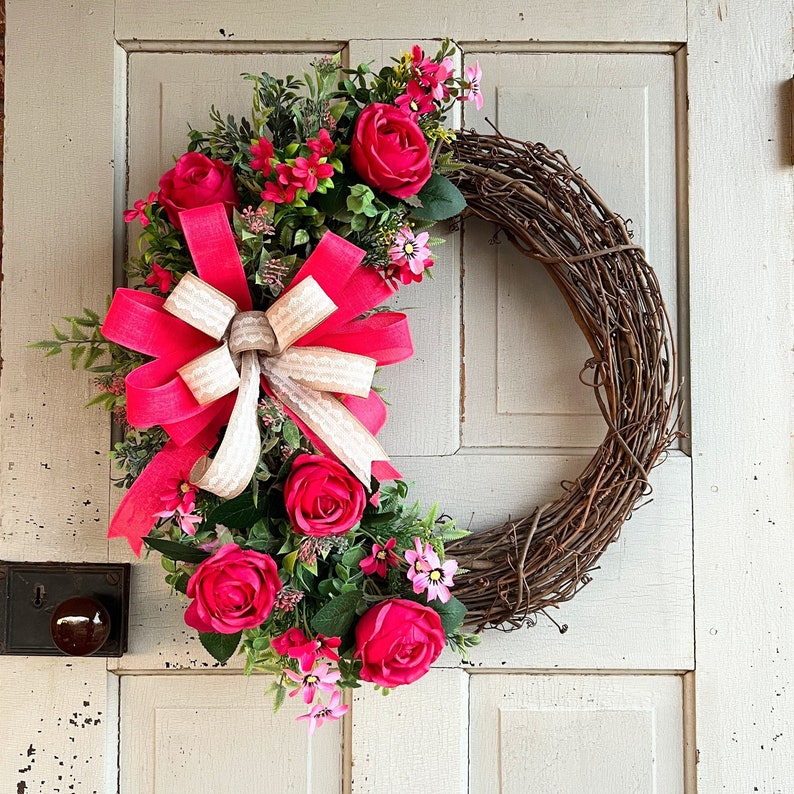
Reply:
x=613, y=115
x=569, y=734
x=216, y=734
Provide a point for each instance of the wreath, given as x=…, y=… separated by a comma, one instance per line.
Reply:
x=241, y=366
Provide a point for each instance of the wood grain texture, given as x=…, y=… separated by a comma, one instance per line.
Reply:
x=741, y=330
x=549, y=20
x=53, y=453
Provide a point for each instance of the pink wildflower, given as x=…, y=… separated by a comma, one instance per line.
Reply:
x=428, y=574
x=320, y=713
x=409, y=255
x=179, y=493
x=320, y=646
x=380, y=559
x=443, y=73
x=472, y=85
x=160, y=276
x=279, y=193
x=262, y=153
x=417, y=560
x=139, y=210
x=313, y=679
x=307, y=172
x=415, y=101
x=322, y=144
x=185, y=518
x=291, y=638
x=187, y=521
x=421, y=65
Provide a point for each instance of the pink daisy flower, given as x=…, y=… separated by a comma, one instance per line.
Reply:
x=310, y=681
x=320, y=713
x=381, y=558
x=415, y=101
x=471, y=85
x=428, y=574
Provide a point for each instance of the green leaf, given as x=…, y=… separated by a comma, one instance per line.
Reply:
x=220, y=646
x=75, y=354
x=278, y=698
x=237, y=513
x=289, y=562
x=453, y=533
x=291, y=434
x=301, y=237
x=60, y=335
x=337, y=616
x=352, y=557
x=176, y=551
x=451, y=614
x=440, y=200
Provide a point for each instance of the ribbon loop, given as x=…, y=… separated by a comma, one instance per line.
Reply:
x=201, y=305
x=298, y=311
x=211, y=376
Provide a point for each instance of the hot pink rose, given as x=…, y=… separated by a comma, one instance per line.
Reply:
x=232, y=590
x=196, y=181
x=322, y=497
x=389, y=151
x=397, y=642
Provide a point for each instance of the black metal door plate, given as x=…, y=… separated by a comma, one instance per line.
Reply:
x=30, y=592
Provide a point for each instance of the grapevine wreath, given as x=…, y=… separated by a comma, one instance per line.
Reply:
x=241, y=364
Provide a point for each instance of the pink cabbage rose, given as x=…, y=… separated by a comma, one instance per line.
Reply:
x=389, y=151
x=397, y=642
x=196, y=181
x=322, y=497
x=232, y=590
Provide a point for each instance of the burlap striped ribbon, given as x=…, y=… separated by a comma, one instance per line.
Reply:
x=258, y=344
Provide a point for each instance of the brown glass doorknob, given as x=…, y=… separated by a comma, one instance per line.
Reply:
x=80, y=626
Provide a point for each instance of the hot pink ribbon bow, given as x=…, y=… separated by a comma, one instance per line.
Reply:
x=158, y=395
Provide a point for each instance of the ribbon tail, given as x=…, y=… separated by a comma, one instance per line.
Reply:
x=327, y=418
x=135, y=515
x=233, y=466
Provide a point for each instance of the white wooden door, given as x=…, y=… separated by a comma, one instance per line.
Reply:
x=647, y=101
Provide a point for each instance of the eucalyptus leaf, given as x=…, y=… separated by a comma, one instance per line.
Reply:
x=291, y=434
